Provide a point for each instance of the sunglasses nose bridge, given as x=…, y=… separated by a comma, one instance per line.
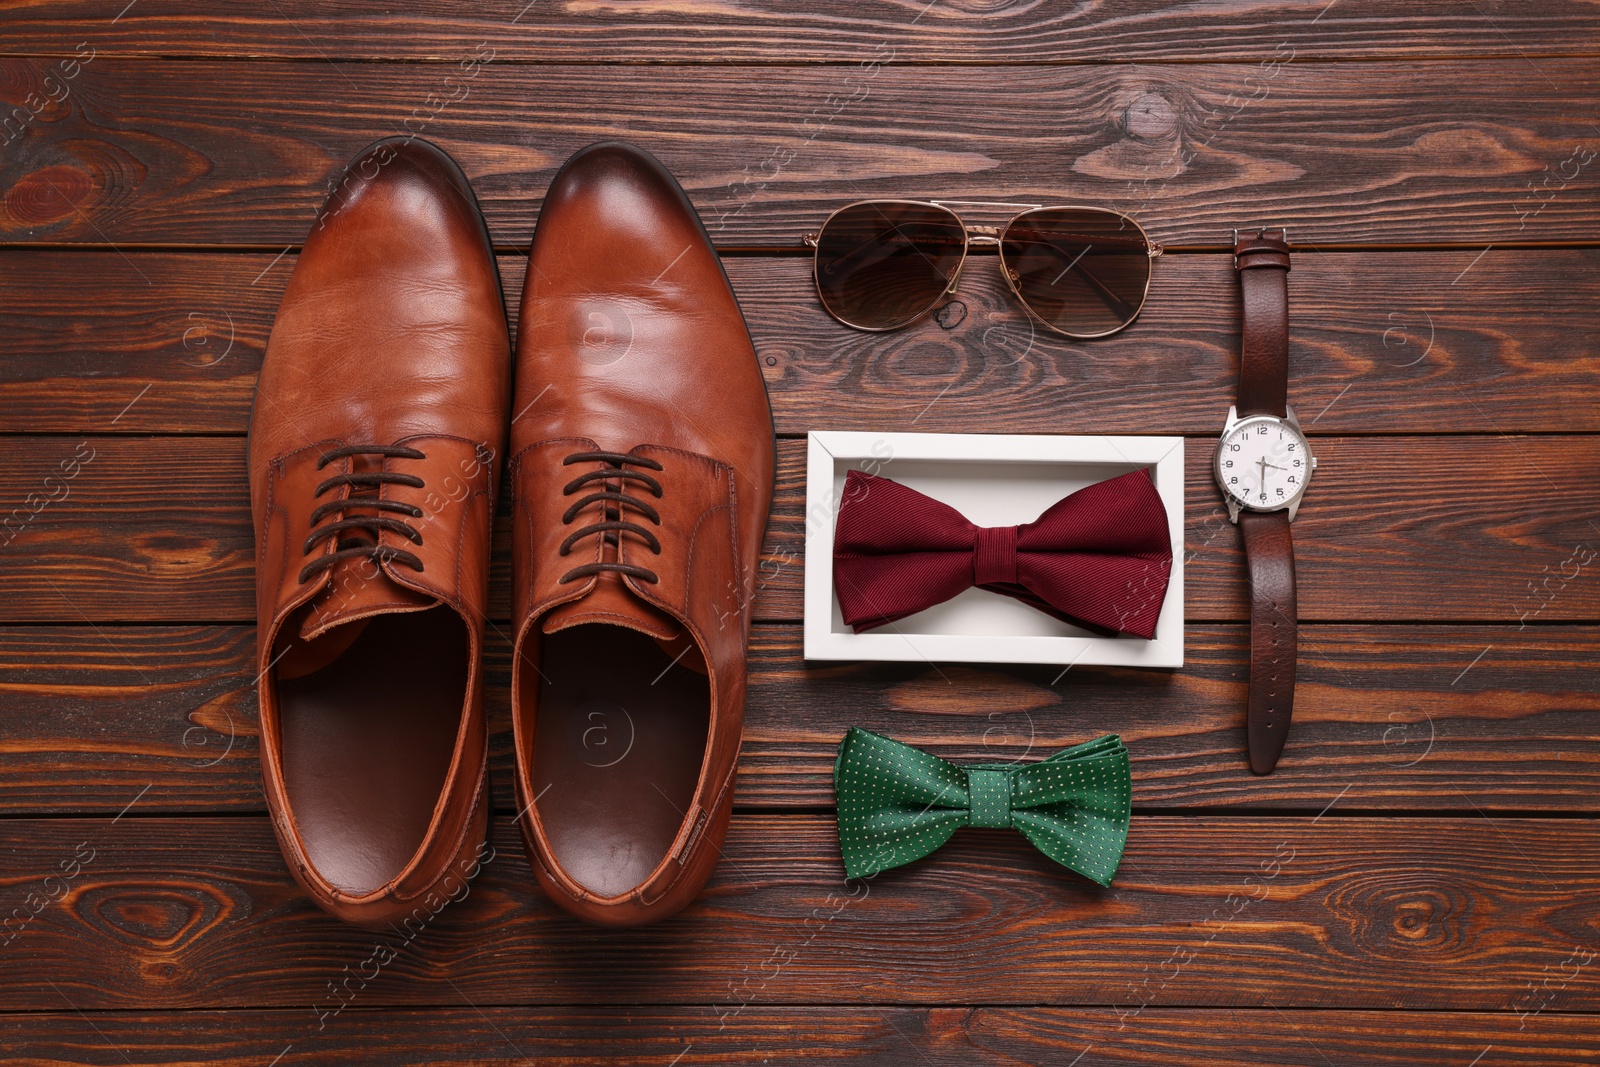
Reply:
x=975, y=235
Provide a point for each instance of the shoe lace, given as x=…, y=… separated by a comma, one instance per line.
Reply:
x=348, y=529
x=613, y=478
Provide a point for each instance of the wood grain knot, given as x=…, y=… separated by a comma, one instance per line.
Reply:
x=174, y=552
x=1404, y=917
x=228, y=714
x=159, y=972
x=46, y=195
x=781, y=355
x=983, y=343
x=1150, y=117
x=982, y=7
x=18, y=77
x=149, y=915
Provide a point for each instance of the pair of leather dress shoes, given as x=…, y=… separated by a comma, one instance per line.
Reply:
x=641, y=469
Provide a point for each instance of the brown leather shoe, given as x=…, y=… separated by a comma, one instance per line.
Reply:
x=641, y=473
x=379, y=418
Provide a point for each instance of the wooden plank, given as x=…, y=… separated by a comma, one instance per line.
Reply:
x=1406, y=529
x=831, y=31
x=878, y=1036
x=1292, y=912
x=1390, y=718
x=1497, y=343
x=138, y=152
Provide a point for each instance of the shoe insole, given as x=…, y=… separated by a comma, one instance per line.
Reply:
x=367, y=742
x=618, y=741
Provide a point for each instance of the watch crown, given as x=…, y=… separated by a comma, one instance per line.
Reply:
x=1313, y=462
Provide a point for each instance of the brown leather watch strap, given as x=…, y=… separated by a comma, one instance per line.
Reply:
x=1262, y=261
x=1269, y=554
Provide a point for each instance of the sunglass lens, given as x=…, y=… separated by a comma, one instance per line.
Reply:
x=1084, y=272
x=882, y=263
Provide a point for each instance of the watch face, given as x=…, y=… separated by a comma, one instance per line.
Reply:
x=1263, y=463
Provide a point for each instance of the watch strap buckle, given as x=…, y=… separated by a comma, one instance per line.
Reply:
x=1260, y=249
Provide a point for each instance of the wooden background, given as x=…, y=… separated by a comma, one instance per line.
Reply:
x=1418, y=884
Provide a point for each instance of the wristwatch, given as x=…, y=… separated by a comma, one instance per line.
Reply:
x=1263, y=466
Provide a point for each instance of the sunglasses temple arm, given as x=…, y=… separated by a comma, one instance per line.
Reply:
x=1112, y=300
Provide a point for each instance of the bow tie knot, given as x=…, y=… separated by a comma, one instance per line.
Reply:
x=994, y=555
x=989, y=794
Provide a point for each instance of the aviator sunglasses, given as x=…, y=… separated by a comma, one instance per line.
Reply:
x=883, y=264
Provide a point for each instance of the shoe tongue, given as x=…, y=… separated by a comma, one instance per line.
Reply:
x=358, y=589
x=613, y=603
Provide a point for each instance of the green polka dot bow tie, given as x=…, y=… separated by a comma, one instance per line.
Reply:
x=897, y=803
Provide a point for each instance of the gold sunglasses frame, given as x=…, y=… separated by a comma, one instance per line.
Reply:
x=985, y=235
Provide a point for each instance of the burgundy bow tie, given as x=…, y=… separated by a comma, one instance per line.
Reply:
x=1099, y=558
